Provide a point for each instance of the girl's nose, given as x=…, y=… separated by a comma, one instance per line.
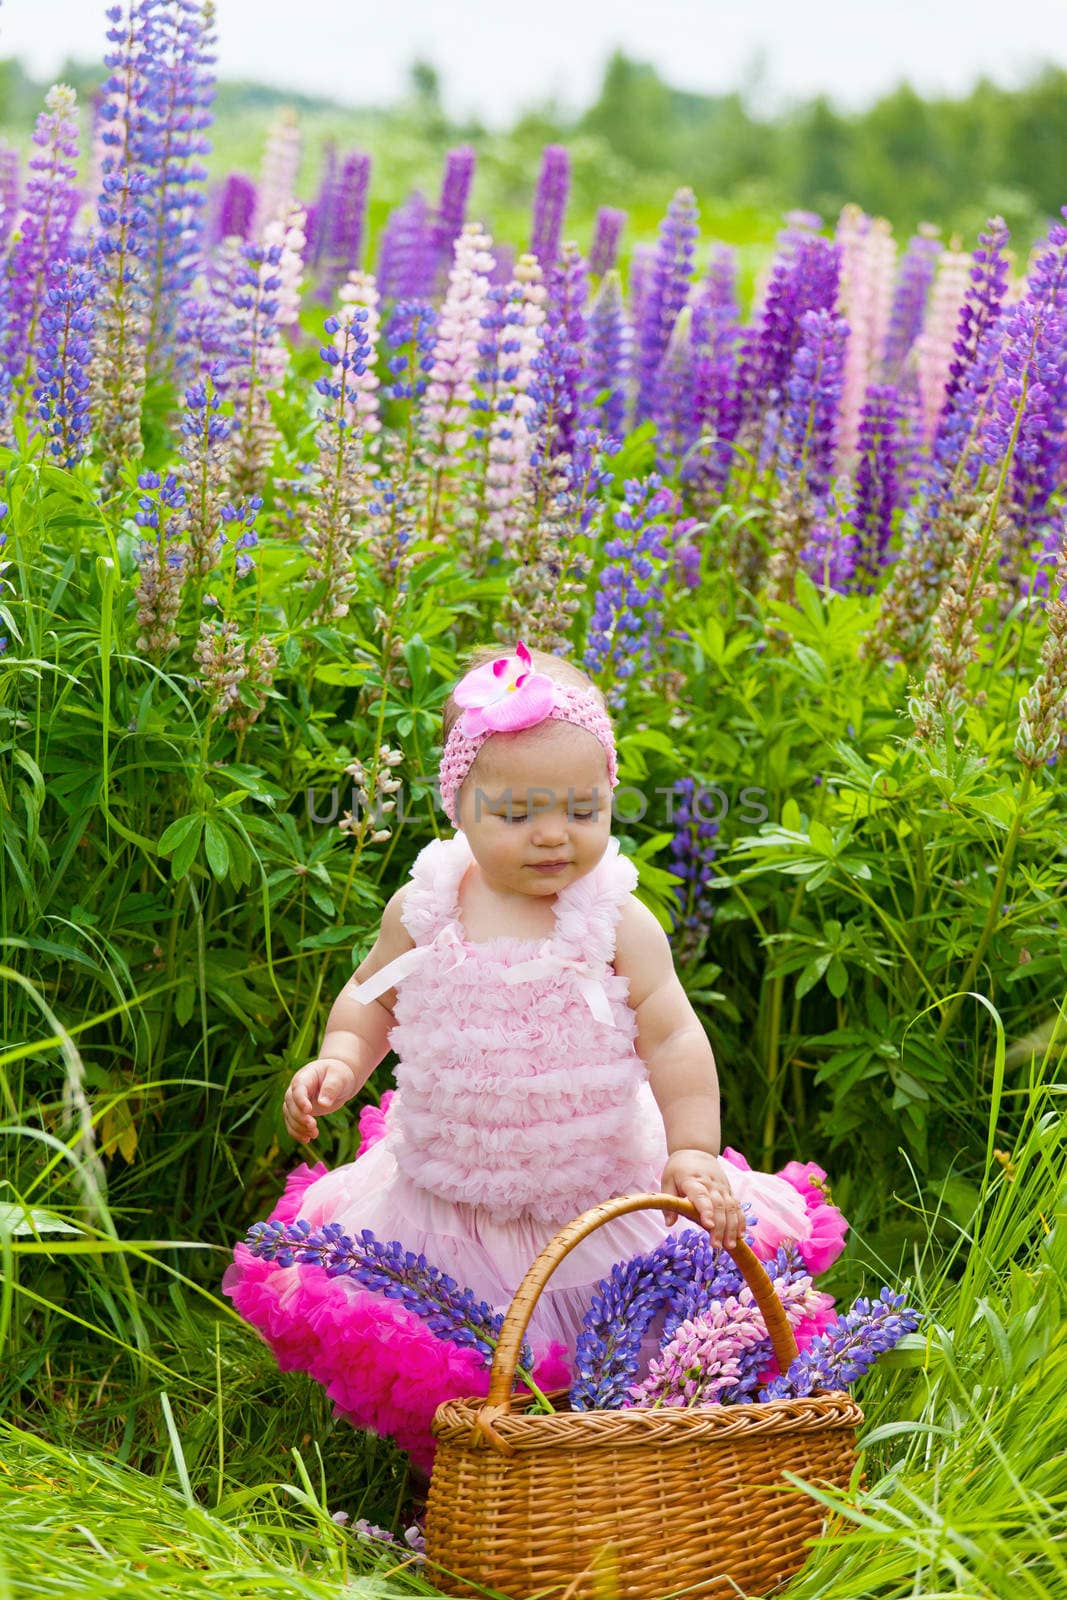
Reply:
x=550, y=830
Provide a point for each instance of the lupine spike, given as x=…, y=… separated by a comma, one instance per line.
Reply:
x=387, y=1268
x=550, y=205
x=667, y=292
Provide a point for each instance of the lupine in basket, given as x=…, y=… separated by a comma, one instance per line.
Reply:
x=449, y=1311
x=849, y=1347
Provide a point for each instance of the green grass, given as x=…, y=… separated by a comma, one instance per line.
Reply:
x=153, y=1449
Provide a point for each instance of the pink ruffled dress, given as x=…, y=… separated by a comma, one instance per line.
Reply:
x=520, y=1102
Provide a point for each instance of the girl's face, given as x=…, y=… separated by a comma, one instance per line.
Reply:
x=530, y=801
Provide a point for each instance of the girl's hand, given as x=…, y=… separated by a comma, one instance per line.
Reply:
x=321, y=1086
x=701, y=1178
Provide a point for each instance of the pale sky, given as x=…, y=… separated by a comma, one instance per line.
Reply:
x=497, y=57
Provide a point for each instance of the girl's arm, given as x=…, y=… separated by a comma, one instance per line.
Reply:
x=681, y=1069
x=356, y=1038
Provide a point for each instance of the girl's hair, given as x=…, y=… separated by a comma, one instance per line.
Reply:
x=554, y=666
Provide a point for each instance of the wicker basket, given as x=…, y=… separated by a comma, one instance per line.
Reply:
x=638, y=1503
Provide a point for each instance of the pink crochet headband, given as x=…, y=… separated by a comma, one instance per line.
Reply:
x=503, y=696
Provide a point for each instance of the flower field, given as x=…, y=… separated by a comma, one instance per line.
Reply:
x=266, y=476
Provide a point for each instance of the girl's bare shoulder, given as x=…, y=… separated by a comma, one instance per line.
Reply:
x=642, y=950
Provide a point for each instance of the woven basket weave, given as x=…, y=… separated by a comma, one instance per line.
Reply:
x=638, y=1503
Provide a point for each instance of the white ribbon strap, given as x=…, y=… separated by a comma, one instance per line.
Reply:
x=395, y=971
x=548, y=965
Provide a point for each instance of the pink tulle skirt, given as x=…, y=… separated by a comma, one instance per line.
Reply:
x=378, y=1362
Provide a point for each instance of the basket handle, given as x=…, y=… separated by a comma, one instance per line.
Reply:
x=509, y=1345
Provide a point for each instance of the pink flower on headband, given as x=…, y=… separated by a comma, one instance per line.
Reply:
x=504, y=695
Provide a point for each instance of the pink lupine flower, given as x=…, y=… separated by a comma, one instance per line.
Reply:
x=277, y=182
x=510, y=440
x=361, y=290
x=455, y=357
x=865, y=300
x=934, y=351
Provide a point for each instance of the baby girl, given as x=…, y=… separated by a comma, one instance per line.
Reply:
x=548, y=1059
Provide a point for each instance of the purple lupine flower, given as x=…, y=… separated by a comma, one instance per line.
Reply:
x=342, y=228
x=410, y=334
x=716, y=391
x=609, y=225
x=813, y=391
x=878, y=478
x=63, y=353
x=608, y=352
x=829, y=554
x=162, y=561
x=550, y=205
x=265, y=299
x=982, y=304
x=129, y=177
x=451, y=212
x=718, y=292
x=50, y=202
x=914, y=281
x=211, y=338
x=848, y=1348
x=672, y=409
x=621, y=1312
x=9, y=190
x=503, y=264
x=387, y=1268
x=205, y=470
x=235, y=207
x=804, y=277
x=1024, y=422
x=667, y=292
x=406, y=260
x=971, y=372
x=555, y=388
x=243, y=518
x=642, y=259
x=346, y=439
x=626, y=624
x=321, y=208
x=568, y=286
x=692, y=855
x=181, y=87
x=580, y=485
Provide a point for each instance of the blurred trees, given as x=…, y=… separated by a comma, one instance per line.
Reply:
x=907, y=158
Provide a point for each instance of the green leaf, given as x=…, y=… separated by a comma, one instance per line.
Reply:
x=19, y=1221
x=179, y=831
x=417, y=657
x=821, y=838
x=999, y=808
x=790, y=817
x=184, y=1000
x=218, y=853
x=837, y=977
x=188, y=849
x=327, y=938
